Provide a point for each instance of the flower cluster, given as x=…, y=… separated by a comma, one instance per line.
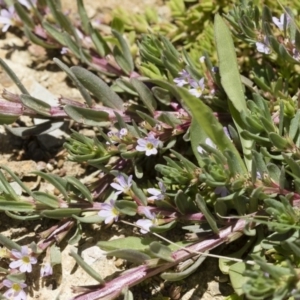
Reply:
x=22, y=262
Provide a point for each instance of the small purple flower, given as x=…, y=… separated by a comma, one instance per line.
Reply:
x=7, y=17
x=148, y=145
x=123, y=132
x=208, y=142
x=24, y=261
x=280, y=22
x=263, y=47
x=15, y=290
x=64, y=50
x=222, y=191
x=46, y=270
x=157, y=194
x=183, y=78
x=146, y=223
x=122, y=186
x=198, y=87
x=109, y=212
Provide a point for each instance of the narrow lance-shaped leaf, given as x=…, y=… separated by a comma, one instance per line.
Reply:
x=13, y=77
x=204, y=116
x=231, y=80
x=145, y=94
x=37, y=105
x=161, y=251
x=56, y=181
x=85, y=94
x=87, y=116
x=123, y=56
x=208, y=215
x=98, y=87
x=83, y=16
x=24, y=16
x=80, y=187
x=86, y=267
x=181, y=275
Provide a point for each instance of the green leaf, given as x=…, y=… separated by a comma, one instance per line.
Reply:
x=76, y=236
x=139, y=193
x=37, y=105
x=99, y=42
x=46, y=199
x=161, y=251
x=86, y=267
x=208, y=215
x=71, y=44
x=13, y=77
x=22, y=217
x=145, y=94
x=9, y=243
x=16, y=206
x=87, y=116
x=231, y=80
x=84, y=93
x=59, y=183
x=83, y=16
x=123, y=56
x=126, y=207
x=197, y=135
x=237, y=278
x=163, y=228
x=130, y=255
x=98, y=87
x=36, y=40
x=80, y=187
x=24, y=16
x=278, y=141
x=89, y=219
x=54, y=33
x=7, y=189
x=131, y=242
x=230, y=76
x=61, y=213
x=204, y=116
x=162, y=95
x=187, y=272
x=17, y=179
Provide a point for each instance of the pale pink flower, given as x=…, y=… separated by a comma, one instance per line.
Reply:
x=148, y=145
x=15, y=290
x=24, y=260
x=46, y=270
x=158, y=194
x=109, y=212
x=7, y=17
x=122, y=185
x=280, y=22
x=197, y=87
x=146, y=223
